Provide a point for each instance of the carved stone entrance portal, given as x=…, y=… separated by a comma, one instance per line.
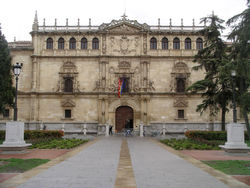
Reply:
x=122, y=114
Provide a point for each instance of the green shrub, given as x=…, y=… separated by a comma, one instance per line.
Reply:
x=57, y=143
x=37, y=134
x=43, y=134
x=2, y=135
x=188, y=144
x=208, y=135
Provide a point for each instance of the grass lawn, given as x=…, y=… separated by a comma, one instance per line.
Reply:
x=231, y=167
x=56, y=143
x=19, y=165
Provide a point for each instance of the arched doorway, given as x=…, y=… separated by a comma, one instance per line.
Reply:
x=122, y=114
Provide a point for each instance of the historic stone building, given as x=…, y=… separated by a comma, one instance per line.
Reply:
x=70, y=76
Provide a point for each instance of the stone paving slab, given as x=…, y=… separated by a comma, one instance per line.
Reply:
x=158, y=168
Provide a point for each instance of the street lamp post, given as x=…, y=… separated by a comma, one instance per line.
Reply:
x=233, y=74
x=16, y=70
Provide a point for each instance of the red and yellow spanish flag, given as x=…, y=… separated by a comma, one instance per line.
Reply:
x=120, y=86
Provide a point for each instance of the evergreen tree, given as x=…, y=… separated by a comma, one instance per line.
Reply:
x=213, y=59
x=240, y=58
x=7, y=92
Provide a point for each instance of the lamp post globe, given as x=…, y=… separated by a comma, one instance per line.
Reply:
x=16, y=70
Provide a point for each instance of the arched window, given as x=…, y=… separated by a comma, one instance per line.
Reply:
x=49, y=43
x=95, y=43
x=188, y=44
x=180, y=85
x=199, y=44
x=72, y=43
x=153, y=43
x=164, y=43
x=61, y=43
x=176, y=43
x=68, y=84
x=84, y=43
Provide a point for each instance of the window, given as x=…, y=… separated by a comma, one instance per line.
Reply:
x=180, y=82
x=95, y=43
x=176, y=43
x=61, y=43
x=199, y=44
x=188, y=44
x=125, y=84
x=164, y=43
x=49, y=43
x=72, y=43
x=6, y=113
x=67, y=113
x=68, y=84
x=153, y=43
x=180, y=114
x=84, y=43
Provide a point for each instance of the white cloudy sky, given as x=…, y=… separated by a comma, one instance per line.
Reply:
x=16, y=16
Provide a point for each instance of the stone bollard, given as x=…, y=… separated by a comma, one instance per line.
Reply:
x=63, y=127
x=185, y=129
x=141, y=130
x=85, y=129
x=164, y=130
x=41, y=125
x=107, y=130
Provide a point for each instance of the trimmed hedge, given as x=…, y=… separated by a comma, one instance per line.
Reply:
x=208, y=135
x=37, y=134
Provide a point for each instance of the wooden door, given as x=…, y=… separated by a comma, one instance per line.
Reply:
x=122, y=114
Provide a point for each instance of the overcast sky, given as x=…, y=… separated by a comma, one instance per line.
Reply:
x=17, y=16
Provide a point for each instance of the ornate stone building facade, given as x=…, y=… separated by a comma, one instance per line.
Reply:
x=70, y=76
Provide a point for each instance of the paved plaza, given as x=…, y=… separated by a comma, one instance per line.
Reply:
x=121, y=162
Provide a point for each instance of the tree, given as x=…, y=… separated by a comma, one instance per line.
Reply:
x=7, y=92
x=215, y=86
x=240, y=58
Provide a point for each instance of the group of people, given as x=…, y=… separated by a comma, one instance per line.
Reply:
x=128, y=128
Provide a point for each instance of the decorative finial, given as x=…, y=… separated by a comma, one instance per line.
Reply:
x=35, y=23
x=212, y=13
x=193, y=22
x=159, y=21
x=170, y=22
x=43, y=21
x=14, y=39
x=0, y=30
x=36, y=19
x=182, y=22
x=78, y=22
x=124, y=17
x=55, y=21
x=67, y=21
x=89, y=21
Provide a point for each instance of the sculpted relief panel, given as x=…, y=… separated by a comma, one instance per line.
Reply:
x=124, y=45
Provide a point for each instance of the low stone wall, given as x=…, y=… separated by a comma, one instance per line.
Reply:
x=154, y=129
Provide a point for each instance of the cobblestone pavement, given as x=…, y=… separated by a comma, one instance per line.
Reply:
x=143, y=162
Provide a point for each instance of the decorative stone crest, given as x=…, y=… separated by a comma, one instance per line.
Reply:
x=180, y=102
x=124, y=64
x=68, y=103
